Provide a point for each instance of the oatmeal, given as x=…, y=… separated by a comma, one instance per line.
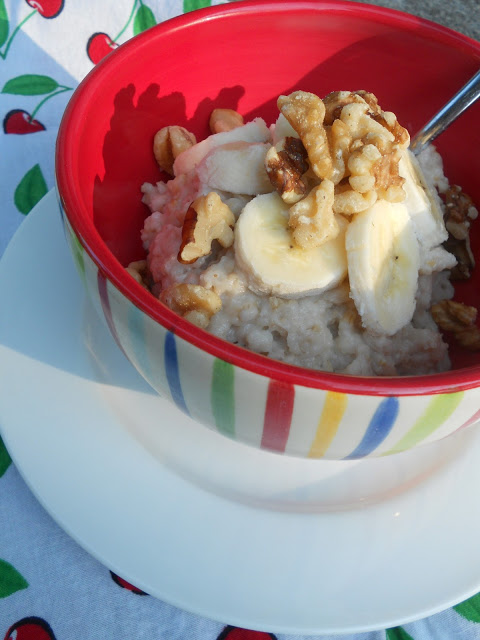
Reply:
x=319, y=241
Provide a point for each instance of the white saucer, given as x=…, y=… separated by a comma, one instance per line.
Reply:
x=245, y=537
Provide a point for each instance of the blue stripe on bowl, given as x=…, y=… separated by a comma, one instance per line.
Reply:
x=173, y=372
x=378, y=429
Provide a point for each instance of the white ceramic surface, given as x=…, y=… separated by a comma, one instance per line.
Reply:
x=221, y=529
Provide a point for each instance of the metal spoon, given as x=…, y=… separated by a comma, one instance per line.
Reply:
x=447, y=114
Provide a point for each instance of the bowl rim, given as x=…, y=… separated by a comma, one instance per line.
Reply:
x=451, y=381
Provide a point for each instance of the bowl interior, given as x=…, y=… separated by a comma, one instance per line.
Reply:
x=243, y=56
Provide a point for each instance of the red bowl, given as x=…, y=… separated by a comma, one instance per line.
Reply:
x=243, y=56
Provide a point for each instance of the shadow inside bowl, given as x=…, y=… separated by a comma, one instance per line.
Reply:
x=134, y=122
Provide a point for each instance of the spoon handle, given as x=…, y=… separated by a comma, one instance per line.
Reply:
x=447, y=114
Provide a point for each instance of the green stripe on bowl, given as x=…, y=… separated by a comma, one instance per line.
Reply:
x=223, y=396
x=437, y=412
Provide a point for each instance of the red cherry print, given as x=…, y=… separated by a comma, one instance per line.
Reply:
x=236, y=633
x=126, y=585
x=99, y=45
x=31, y=628
x=19, y=121
x=47, y=8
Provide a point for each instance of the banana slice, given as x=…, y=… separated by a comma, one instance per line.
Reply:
x=422, y=202
x=272, y=264
x=383, y=263
x=237, y=167
x=254, y=131
x=282, y=129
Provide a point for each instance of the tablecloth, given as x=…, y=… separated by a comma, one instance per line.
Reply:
x=50, y=588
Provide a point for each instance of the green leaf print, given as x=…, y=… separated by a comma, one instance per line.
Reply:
x=10, y=580
x=470, y=609
x=3, y=23
x=144, y=19
x=30, y=85
x=30, y=190
x=397, y=633
x=191, y=5
x=5, y=459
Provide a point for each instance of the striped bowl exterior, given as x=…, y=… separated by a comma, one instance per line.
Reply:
x=262, y=412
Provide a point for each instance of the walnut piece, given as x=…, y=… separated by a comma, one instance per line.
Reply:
x=370, y=127
x=361, y=164
x=387, y=119
x=374, y=108
x=459, y=205
x=348, y=138
x=312, y=220
x=388, y=182
x=193, y=302
x=363, y=127
x=169, y=143
x=305, y=112
x=459, y=212
x=465, y=260
x=336, y=100
x=139, y=270
x=285, y=163
x=207, y=219
x=339, y=142
x=224, y=120
x=348, y=201
x=458, y=319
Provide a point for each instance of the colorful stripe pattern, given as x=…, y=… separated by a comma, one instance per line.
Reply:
x=330, y=418
x=438, y=410
x=107, y=311
x=278, y=415
x=280, y=401
x=222, y=396
x=135, y=322
x=280, y=397
x=378, y=428
x=173, y=372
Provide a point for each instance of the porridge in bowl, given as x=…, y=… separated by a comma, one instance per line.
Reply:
x=320, y=240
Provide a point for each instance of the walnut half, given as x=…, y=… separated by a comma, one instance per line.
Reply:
x=139, y=270
x=305, y=112
x=458, y=319
x=207, y=219
x=312, y=220
x=285, y=163
x=169, y=143
x=459, y=213
x=224, y=120
x=193, y=302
